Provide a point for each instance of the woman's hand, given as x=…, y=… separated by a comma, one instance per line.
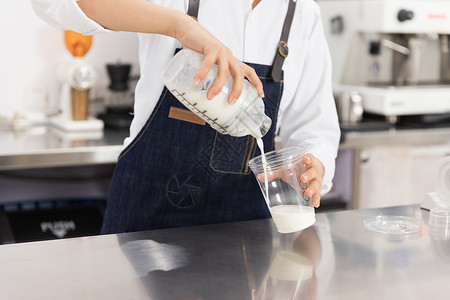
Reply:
x=313, y=177
x=194, y=36
x=147, y=17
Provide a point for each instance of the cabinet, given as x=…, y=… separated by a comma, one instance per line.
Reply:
x=390, y=168
x=54, y=185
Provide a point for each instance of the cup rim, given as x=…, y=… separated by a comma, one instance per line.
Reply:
x=275, y=158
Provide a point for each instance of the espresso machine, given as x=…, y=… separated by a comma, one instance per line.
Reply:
x=390, y=58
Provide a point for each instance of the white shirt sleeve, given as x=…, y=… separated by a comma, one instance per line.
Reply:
x=66, y=15
x=311, y=119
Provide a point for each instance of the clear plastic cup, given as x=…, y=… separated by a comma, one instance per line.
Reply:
x=285, y=196
x=440, y=217
x=439, y=223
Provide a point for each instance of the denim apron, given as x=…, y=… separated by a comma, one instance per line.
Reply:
x=177, y=173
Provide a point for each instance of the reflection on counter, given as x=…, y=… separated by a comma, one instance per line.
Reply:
x=333, y=259
x=302, y=265
x=288, y=278
x=266, y=266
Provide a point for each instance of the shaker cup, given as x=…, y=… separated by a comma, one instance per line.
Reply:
x=245, y=117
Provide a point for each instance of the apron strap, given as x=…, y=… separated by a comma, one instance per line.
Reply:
x=283, y=50
x=193, y=8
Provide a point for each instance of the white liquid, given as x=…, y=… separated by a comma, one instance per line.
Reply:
x=291, y=266
x=290, y=218
x=217, y=112
x=287, y=218
x=260, y=143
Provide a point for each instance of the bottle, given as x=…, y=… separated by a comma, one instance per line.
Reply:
x=245, y=117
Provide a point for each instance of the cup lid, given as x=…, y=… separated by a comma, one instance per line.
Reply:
x=393, y=227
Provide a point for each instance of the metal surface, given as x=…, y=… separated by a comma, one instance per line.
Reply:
x=335, y=259
x=40, y=147
x=420, y=143
x=418, y=136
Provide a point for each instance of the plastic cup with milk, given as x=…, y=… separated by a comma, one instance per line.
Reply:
x=245, y=117
x=278, y=175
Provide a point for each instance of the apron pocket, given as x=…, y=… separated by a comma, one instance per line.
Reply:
x=230, y=154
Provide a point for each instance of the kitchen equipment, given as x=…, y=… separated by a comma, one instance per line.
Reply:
x=244, y=117
x=118, y=99
x=349, y=107
x=441, y=197
x=75, y=78
x=395, y=54
x=278, y=178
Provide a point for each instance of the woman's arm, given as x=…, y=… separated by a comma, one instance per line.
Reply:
x=146, y=17
x=311, y=119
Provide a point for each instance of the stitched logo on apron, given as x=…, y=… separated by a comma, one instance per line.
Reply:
x=201, y=161
x=183, y=190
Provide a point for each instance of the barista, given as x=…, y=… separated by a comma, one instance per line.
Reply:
x=176, y=172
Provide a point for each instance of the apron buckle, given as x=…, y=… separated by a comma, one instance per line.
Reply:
x=283, y=49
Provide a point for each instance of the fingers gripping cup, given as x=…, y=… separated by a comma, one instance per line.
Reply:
x=278, y=176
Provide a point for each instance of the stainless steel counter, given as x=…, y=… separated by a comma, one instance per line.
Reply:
x=419, y=136
x=335, y=259
x=43, y=146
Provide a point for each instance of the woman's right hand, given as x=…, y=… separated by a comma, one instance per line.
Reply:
x=194, y=36
x=147, y=17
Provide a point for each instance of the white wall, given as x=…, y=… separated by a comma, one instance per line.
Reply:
x=29, y=50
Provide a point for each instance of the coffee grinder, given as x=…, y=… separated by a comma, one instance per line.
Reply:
x=118, y=99
x=75, y=78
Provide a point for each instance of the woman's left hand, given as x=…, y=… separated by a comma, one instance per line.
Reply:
x=313, y=177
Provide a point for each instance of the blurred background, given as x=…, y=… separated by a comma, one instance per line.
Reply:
x=391, y=83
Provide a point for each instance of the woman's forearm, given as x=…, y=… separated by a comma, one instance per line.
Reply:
x=146, y=17
x=134, y=16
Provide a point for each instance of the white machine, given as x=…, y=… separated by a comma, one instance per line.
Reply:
x=394, y=54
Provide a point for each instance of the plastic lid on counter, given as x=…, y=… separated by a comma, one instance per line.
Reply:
x=393, y=227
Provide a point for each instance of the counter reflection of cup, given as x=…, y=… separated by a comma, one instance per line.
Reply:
x=287, y=277
x=290, y=208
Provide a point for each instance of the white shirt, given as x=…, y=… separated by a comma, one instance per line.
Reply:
x=307, y=113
